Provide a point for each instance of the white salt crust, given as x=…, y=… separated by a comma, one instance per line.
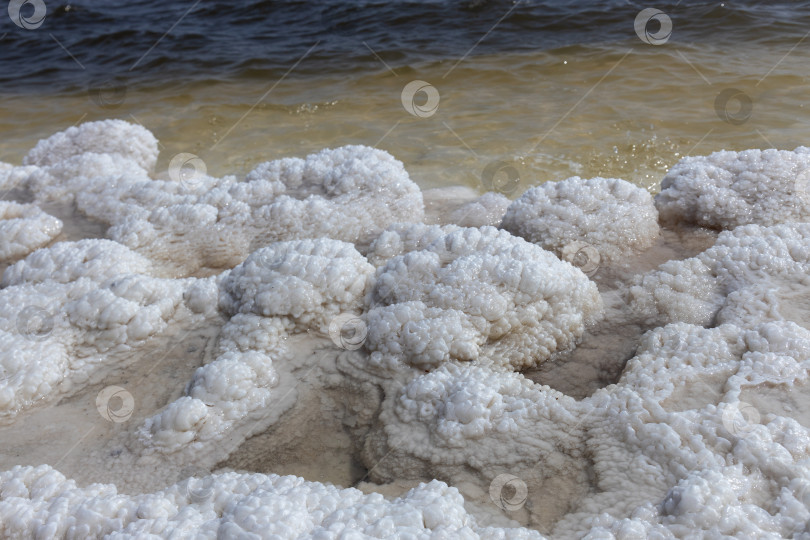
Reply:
x=672, y=449
x=706, y=433
x=741, y=279
x=349, y=193
x=488, y=209
x=284, y=288
x=232, y=505
x=24, y=228
x=727, y=189
x=475, y=294
x=615, y=217
x=69, y=310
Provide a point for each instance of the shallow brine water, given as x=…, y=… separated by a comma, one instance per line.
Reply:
x=277, y=322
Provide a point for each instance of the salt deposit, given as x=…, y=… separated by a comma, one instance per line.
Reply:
x=320, y=318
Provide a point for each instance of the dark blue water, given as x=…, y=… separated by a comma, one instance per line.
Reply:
x=86, y=43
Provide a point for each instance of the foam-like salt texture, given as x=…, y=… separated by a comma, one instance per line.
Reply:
x=727, y=189
x=287, y=287
x=615, y=217
x=706, y=433
x=476, y=294
x=733, y=281
x=233, y=505
x=70, y=310
x=348, y=193
x=23, y=229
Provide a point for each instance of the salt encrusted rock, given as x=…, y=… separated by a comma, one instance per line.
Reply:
x=727, y=189
x=615, y=217
x=478, y=294
x=220, y=394
x=673, y=448
x=67, y=310
x=80, y=176
x=24, y=228
x=705, y=434
x=488, y=209
x=249, y=332
x=735, y=273
x=66, y=262
x=679, y=416
x=461, y=418
x=41, y=502
x=402, y=238
x=12, y=177
x=307, y=281
x=292, y=286
x=103, y=137
x=350, y=193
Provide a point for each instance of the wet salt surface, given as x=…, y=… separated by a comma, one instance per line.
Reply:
x=600, y=357
x=637, y=418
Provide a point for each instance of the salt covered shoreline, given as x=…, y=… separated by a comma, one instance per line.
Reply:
x=584, y=361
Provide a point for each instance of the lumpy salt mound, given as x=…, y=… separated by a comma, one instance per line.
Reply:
x=189, y=222
x=704, y=434
x=477, y=294
x=613, y=216
x=727, y=189
x=24, y=228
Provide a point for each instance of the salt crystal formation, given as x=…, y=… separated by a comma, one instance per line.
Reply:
x=333, y=303
x=613, y=216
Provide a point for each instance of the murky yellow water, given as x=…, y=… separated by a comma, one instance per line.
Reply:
x=629, y=110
